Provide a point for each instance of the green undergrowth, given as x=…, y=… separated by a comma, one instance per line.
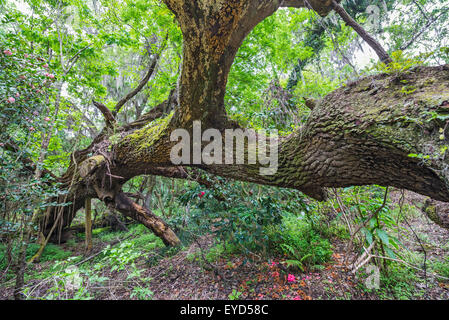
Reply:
x=284, y=227
x=66, y=276
x=51, y=253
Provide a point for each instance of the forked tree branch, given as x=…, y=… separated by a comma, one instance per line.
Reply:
x=142, y=83
x=108, y=116
x=428, y=24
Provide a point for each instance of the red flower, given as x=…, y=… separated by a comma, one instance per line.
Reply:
x=291, y=278
x=201, y=194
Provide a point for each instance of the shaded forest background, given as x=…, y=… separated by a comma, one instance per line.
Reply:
x=60, y=59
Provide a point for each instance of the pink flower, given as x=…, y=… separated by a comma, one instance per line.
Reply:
x=17, y=95
x=51, y=76
x=25, y=55
x=47, y=119
x=274, y=263
x=11, y=100
x=291, y=278
x=35, y=113
x=297, y=298
x=32, y=129
x=45, y=65
x=7, y=52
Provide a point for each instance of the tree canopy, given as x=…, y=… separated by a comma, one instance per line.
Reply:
x=92, y=91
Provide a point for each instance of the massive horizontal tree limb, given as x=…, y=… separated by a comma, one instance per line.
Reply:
x=360, y=134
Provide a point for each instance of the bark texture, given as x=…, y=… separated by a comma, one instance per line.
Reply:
x=361, y=134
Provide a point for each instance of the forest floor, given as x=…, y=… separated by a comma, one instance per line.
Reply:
x=179, y=277
x=240, y=279
x=191, y=273
x=234, y=277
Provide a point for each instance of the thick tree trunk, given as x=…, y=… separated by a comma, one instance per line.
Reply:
x=360, y=134
x=438, y=212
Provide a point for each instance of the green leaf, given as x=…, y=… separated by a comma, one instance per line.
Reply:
x=383, y=236
x=368, y=235
x=390, y=253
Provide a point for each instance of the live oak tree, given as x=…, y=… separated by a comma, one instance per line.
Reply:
x=387, y=129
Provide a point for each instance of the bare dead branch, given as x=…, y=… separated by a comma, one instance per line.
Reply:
x=108, y=115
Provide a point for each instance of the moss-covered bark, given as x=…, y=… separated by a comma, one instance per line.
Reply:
x=360, y=134
x=364, y=133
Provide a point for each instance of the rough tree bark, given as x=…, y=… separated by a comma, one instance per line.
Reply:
x=360, y=134
x=88, y=224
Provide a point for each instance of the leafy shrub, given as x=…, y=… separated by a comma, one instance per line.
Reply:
x=51, y=252
x=301, y=243
x=248, y=219
x=378, y=219
x=122, y=255
x=400, y=282
x=441, y=267
x=215, y=252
